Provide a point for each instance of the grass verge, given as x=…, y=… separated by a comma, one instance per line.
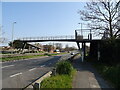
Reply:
x=58, y=81
x=19, y=57
x=25, y=57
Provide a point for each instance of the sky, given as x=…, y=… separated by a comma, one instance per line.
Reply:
x=37, y=19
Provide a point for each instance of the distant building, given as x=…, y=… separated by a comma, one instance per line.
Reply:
x=48, y=48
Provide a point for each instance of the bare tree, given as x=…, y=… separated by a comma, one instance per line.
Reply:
x=58, y=46
x=2, y=39
x=102, y=16
x=67, y=48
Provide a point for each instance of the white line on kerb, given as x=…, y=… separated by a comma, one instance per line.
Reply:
x=7, y=66
x=15, y=74
x=42, y=66
x=32, y=69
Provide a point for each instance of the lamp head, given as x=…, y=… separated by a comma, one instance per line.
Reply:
x=14, y=22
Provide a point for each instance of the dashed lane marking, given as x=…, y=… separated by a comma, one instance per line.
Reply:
x=32, y=69
x=7, y=66
x=15, y=75
x=42, y=66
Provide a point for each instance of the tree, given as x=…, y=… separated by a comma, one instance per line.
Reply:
x=39, y=45
x=66, y=47
x=47, y=48
x=16, y=44
x=102, y=16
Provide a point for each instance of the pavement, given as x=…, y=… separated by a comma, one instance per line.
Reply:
x=87, y=76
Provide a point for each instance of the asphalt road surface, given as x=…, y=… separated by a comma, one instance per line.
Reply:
x=18, y=74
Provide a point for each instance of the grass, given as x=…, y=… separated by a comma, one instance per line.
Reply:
x=58, y=81
x=25, y=57
x=19, y=57
x=110, y=73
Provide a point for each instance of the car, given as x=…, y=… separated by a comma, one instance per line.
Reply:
x=56, y=51
x=72, y=53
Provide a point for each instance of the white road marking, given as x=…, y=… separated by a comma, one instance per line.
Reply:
x=15, y=74
x=7, y=66
x=32, y=69
x=42, y=66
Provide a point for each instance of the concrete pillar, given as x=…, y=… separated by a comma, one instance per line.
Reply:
x=82, y=52
x=84, y=44
x=36, y=86
x=78, y=45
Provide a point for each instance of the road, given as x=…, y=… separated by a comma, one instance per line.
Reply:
x=18, y=74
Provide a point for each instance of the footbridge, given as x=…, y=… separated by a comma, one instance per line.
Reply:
x=79, y=37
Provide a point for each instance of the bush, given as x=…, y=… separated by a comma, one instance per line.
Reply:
x=45, y=53
x=64, y=67
x=110, y=52
x=49, y=55
x=111, y=73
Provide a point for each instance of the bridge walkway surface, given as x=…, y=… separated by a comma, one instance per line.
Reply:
x=87, y=76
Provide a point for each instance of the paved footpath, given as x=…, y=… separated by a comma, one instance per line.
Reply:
x=86, y=76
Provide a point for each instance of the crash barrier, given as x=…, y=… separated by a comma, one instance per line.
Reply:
x=72, y=57
x=36, y=84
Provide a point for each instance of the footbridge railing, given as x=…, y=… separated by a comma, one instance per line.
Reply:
x=48, y=38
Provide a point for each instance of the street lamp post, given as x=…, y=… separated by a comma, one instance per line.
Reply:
x=81, y=27
x=13, y=32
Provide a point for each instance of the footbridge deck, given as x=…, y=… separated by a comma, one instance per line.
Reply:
x=69, y=38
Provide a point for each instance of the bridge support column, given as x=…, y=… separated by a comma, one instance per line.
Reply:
x=78, y=45
x=24, y=45
x=83, y=51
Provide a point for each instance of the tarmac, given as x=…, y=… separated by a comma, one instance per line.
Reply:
x=87, y=76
